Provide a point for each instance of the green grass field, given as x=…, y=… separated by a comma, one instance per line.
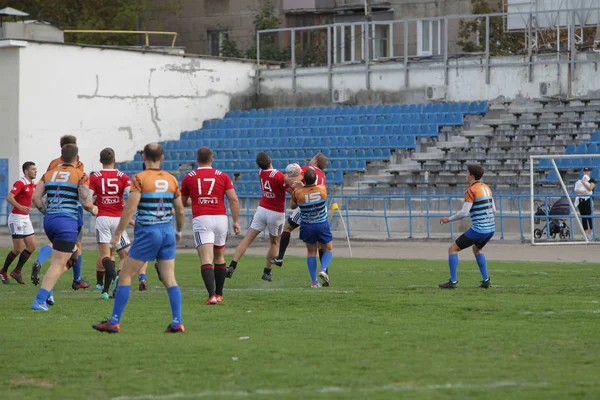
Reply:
x=382, y=331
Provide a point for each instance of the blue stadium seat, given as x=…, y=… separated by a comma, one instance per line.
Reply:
x=581, y=148
x=570, y=149
x=596, y=137
x=592, y=148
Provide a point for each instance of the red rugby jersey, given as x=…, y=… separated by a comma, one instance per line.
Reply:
x=272, y=185
x=23, y=192
x=206, y=188
x=109, y=187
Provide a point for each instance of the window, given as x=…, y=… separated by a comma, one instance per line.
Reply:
x=429, y=37
x=215, y=42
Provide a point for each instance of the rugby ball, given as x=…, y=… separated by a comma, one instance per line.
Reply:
x=293, y=170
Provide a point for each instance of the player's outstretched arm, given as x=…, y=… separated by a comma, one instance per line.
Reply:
x=179, y=215
x=466, y=208
x=40, y=191
x=234, y=205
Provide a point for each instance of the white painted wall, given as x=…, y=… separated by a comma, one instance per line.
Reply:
x=9, y=107
x=466, y=84
x=116, y=98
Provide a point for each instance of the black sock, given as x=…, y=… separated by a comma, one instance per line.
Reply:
x=220, y=275
x=109, y=271
x=99, y=277
x=25, y=254
x=208, y=276
x=283, y=244
x=267, y=271
x=9, y=259
x=232, y=264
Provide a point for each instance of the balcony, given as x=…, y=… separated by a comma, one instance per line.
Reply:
x=303, y=6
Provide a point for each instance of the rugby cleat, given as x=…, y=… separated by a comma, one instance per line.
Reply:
x=4, y=277
x=230, y=271
x=276, y=261
x=315, y=285
x=178, y=329
x=36, y=268
x=106, y=326
x=219, y=298
x=212, y=300
x=324, y=278
x=143, y=285
x=104, y=296
x=50, y=301
x=448, y=285
x=80, y=284
x=99, y=286
x=267, y=277
x=486, y=284
x=39, y=307
x=17, y=276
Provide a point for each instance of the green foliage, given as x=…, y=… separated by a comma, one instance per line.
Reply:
x=91, y=15
x=383, y=330
x=315, y=53
x=501, y=43
x=270, y=48
x=230, y=49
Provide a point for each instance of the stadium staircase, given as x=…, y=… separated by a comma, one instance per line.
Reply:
x=393, y=148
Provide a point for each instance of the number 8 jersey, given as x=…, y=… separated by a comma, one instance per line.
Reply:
x=206, y=187
x=158, y=189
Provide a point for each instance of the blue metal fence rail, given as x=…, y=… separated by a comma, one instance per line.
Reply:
x=414, y=209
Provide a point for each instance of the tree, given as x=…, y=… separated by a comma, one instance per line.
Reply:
x=270, y=49
x=501, y=43
x=91, y=14
x=230, y=49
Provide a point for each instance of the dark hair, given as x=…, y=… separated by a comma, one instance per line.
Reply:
x=68, y=153
x=262, y=160
x=204, y=155
x=476, y=171
x=27, y=165
x=310, y=176
x=67, y=139
x=107, y=156
x=153, y=152
x=321, y=161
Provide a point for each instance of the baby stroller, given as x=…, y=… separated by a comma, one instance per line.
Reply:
x=556, y=225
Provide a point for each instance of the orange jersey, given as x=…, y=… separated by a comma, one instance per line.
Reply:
x=58, y=161
x=312, y=201
x=158, y=190
x=482, y=210
x=62, y=189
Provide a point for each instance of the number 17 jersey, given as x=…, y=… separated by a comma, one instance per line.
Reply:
x=206, y=188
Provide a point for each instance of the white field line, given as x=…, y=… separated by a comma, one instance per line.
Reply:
x=290, y=289
x=399, y=387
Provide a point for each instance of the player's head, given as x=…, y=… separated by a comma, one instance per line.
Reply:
x=204, y=156
x=587, y=171
x=29, y=170
x=153, y=152
x=319, y=161
x=474, y=172
x=263, y=161
x=67, y=139
x=68, y=153
x=310, y=177
x=107, y=156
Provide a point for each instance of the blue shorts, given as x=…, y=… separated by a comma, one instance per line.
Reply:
x=61, y=231
x=471, y=237
x=153, y=242
x=80, y=217
x=313, y=233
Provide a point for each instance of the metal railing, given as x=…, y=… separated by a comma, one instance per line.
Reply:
x=364, y=39
x=404, y=216
x=145, y=33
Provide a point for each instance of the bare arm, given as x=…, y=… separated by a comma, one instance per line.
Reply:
x=40, y=191
x=85, y=197
x=185, y=200
x=179, y=213
x=293, y=203
x=128, y=212
x=11, y=200
x=234, y=205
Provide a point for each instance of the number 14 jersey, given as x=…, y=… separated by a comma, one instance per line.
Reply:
x=206, y=188
x=272, y=185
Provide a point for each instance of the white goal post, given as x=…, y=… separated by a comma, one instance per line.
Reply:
x=574, y=214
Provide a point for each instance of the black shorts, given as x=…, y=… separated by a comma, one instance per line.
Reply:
x=470, y=238
x=293, y=224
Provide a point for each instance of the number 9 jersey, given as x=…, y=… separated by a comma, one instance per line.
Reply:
x=158, y=189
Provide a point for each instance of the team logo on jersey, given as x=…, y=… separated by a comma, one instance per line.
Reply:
x=208, y=200
x=111, y=200
x=269, y=195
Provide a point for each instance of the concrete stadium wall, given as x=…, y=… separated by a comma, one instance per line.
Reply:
x=9, y=105
x=387, y=82
x=109, y=98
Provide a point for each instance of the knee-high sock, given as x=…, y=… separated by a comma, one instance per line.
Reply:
x=121, y=299
x=453, y=265
x=482, y=264
x=44, y=254
x=283, y=244
x=9, y=259
x=109, y=273
x=220, y=275
x=42, y=295
x=25, y=254
x=99, y=277
x=312, y=268
x=208, y=276
x=326, y=260
x=77, y=269
x=175, y=300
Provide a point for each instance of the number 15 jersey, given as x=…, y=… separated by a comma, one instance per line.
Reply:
x=206, y=188
x=109, y=187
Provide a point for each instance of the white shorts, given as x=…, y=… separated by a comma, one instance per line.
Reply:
x=295, y=216
x=105, y=229
x=269, y=219
x=20, y=226
x=210, y=229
